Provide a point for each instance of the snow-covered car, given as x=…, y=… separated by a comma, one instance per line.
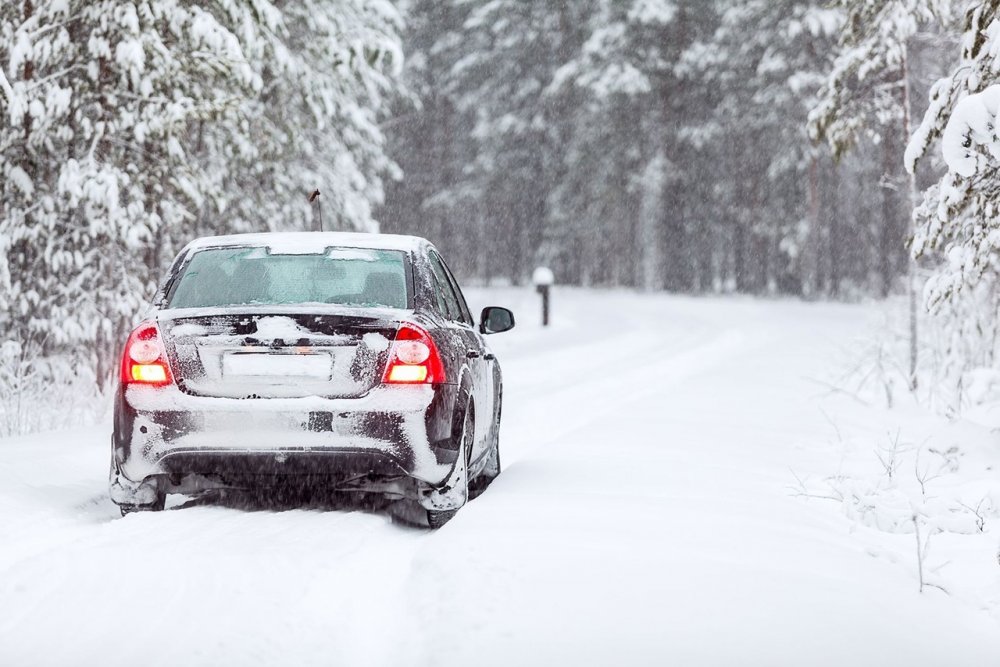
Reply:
x=346, y=360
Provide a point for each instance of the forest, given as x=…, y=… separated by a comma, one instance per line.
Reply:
x=768, y=147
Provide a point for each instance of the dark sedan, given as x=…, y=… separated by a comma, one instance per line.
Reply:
x=346, y=360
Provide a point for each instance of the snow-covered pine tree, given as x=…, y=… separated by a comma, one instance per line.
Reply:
x=127, y=126
x=327, y=72
x=868, y=92
x=960, y=215
x=99, y=99
x=431, y=139
x=623, y=156
x=504, y=59
x=864, y=91
x=764, y=64
x=958, y=222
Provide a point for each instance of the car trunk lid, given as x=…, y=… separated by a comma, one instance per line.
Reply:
x=277, y=354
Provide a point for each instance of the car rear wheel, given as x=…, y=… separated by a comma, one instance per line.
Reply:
x=157, y=506
x=491, y=470
x=437, y=518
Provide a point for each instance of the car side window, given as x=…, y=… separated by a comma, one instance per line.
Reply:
x=439, y=301
x=466, y=313
x=445, y=294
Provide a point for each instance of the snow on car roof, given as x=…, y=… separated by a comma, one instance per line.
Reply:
x=312, y=242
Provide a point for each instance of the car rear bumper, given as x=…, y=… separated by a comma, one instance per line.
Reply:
x=165, y=432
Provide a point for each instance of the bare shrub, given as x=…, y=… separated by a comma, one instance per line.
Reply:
x=40, y=393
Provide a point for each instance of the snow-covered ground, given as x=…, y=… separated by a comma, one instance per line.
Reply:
x=648, y=514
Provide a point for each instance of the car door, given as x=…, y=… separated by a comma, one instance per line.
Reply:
x=488, y=366
x=460, y=321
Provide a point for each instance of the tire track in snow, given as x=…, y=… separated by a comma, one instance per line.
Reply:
x=535, y=418
x=305, y=578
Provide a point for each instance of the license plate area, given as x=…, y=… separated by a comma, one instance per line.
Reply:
x=315, y=366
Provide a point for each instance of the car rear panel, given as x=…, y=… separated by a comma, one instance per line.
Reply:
x=275, y=386
x=166, y=425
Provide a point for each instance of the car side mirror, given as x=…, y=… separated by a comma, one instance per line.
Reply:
x=496, y=320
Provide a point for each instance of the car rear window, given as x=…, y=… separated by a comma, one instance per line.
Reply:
x=246, y=276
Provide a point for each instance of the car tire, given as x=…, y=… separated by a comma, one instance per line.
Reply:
x=157, y=506
x=492, y=468
x=489, y=472
x=437, y=518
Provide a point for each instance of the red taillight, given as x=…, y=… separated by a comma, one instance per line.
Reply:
x=144, y=360
x=413, y=358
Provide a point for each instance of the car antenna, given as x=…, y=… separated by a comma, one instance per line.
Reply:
x=314, y=198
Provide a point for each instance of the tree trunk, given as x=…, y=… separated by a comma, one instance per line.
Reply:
x=739, y=258
x=809, y=268
x=888, y=239
x=911, y=274
x=648, y=238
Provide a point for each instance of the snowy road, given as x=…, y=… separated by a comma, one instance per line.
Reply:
x=643, y=517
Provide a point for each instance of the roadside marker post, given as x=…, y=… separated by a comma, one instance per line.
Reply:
x=543, y=279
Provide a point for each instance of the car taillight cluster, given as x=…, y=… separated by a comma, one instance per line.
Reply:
x=413, y=358
x=145, y=359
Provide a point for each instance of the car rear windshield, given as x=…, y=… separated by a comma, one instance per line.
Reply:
x=247, y=276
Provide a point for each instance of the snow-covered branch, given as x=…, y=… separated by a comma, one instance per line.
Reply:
x=970, y=140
